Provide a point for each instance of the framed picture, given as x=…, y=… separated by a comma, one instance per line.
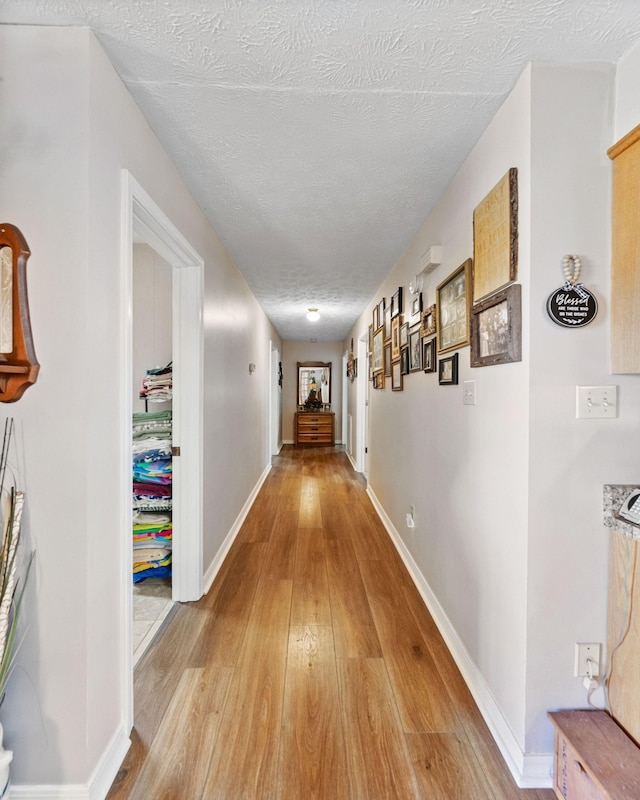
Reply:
x=416, y=304
x=370, y=338
x=352, y=368
x=496, y=328
x=429, y=355
x=404, y=334
x=387, y=359
x=495, y=237
x=415, y=349
x=396, y=376
x=453, y=300
x=387, y=323
x=376, y=318
x=381, y=308
x=396, y=302
x=378, y=380
x=395, y=338
x=448, y=370
x=378, y=351
x=429, y=321
x=404, y=360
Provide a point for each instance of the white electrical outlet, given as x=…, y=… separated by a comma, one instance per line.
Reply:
x=587, y=654
x=410, y=520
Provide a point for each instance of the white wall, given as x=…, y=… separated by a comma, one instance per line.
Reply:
x=571, y=459
x=467, y=483
x=508, y=493
x=627, y=114
x=69, y=128
x=152, y=316
x=292, y=352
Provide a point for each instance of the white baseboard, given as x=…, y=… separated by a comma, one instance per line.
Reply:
x=220, y=556
x=107, y=768
x=99, y=783
x=68, y=792
x=290, y=441
x=529, y=770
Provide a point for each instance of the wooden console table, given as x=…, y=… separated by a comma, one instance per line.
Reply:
x=314, y=429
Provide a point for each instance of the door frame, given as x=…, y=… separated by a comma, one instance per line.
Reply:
x=344, y=434
x=144, y=220
x=362, y=404
x=273, y=426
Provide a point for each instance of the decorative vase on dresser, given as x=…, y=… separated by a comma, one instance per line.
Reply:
x=314, y=428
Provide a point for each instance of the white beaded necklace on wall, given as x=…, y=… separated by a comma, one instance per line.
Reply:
x=571, y=267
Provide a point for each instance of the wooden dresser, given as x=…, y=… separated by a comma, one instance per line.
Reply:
x=313, y=429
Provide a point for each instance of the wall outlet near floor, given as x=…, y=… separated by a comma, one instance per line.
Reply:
x=587, y=660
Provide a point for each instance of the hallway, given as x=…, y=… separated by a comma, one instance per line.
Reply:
x=312, y=669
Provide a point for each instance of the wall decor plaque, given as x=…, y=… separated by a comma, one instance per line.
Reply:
x=572, y=306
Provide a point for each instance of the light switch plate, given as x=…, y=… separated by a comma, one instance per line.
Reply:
x=596, y=402
x=469, y=393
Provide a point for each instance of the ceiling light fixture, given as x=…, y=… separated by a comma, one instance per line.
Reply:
x=312, y=315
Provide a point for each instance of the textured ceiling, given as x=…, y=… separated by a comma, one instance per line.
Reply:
x=317, y=134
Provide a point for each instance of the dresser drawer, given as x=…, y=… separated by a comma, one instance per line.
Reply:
x=314, y=429
x=315, y=438
x=314, y=424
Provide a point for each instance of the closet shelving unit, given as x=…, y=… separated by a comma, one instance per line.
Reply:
x=152, y=471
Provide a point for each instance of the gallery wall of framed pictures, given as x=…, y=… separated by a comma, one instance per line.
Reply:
x=478, y=305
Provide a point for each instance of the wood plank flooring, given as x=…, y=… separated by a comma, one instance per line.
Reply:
x=311, y=670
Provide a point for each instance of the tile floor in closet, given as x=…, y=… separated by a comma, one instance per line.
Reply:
x=151, y=604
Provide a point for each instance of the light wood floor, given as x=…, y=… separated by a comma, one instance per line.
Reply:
x=311, y=669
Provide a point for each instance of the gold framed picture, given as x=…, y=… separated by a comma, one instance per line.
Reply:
x=378, y=350
x=453, y=304
x=395, y=338
x=429, y=321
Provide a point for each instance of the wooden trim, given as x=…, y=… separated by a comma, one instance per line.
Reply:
x=623, y=144
x=625, y=257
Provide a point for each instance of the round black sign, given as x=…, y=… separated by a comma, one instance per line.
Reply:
x=572, y=306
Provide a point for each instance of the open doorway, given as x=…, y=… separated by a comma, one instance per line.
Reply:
x=152, y=443
x=362, y=404
x=274, y=428
x=145, y=224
